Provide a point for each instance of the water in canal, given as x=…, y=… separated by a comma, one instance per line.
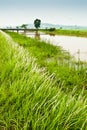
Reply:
x=77, y=46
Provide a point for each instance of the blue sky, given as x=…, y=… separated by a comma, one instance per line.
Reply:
x=66, y=12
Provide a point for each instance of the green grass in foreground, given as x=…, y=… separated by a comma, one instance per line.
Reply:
x=29, y=97
x=79, y=33
x=56, y=61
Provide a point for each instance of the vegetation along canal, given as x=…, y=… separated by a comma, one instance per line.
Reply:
x=77, y=46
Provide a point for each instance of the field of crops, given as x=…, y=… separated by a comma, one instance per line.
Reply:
x=41, y=87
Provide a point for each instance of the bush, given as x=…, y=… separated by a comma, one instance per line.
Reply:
x=52, y=29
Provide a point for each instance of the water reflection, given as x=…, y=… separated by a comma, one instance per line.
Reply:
x=52, y=34
x=37, y=35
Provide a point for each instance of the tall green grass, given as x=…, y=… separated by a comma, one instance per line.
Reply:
x=30, y=99
x=55, y=60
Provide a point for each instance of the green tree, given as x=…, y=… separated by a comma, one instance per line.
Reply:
x=24, y=26
x=17, y=27
x=37, y=23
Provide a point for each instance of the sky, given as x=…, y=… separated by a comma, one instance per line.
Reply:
x=63, y=12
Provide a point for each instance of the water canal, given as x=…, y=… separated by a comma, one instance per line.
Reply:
x=77, y=46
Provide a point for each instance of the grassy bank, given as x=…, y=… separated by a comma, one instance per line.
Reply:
x=57, y=61
x=79, y=33
x=30, y=99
